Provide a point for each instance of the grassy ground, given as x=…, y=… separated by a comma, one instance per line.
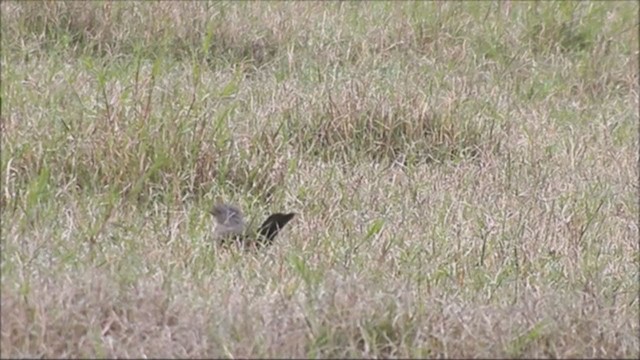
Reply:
x=465, y=177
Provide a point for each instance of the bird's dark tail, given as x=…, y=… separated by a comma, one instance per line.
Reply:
x=272, y=226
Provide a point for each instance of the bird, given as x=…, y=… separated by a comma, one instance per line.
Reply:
x=232, y=226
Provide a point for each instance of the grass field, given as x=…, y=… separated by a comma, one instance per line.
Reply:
x=465, y=176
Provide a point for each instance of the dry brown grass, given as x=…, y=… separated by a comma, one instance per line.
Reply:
x=465, y=174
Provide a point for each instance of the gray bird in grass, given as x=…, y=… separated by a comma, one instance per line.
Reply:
x=231, y=225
